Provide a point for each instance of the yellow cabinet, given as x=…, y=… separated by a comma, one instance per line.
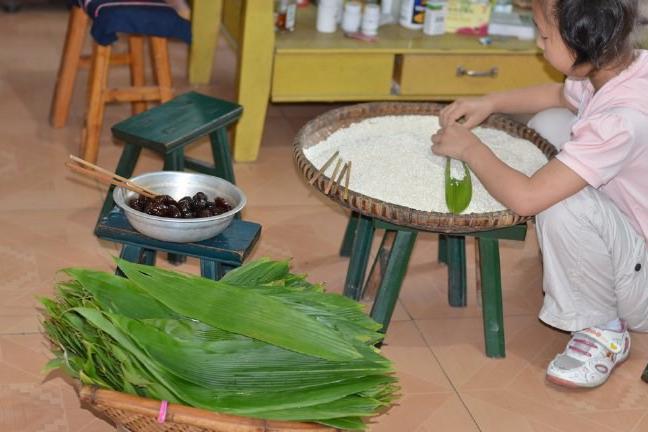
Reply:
x=451, y=75
x=331, y=77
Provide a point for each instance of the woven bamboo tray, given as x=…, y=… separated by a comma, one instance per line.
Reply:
x=324, y=125
x=137, y=414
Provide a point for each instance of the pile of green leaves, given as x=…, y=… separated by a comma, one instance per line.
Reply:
x=261, y=342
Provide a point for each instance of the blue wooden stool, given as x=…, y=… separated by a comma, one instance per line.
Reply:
x=170, y=127
x=217, y=255
x=452, y=252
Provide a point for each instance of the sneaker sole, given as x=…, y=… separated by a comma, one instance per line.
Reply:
x=573, y=385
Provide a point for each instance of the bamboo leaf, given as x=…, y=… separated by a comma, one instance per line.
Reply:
x=119, y=295
x=345, y=423
x=458, y=192
x=257, y=272
x=242, y=311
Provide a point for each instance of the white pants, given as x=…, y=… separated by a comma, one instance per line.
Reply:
x=595, y=264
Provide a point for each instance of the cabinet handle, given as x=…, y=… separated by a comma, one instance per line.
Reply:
x=462, y=71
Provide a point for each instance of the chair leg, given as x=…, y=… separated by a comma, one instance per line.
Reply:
x=74, y=39
x=136, y=64
x=492, y=311
x=383, y=307
x=349, y=235
x=359, y=258
x=162, y=67
x=456, y=260
x=96, y=103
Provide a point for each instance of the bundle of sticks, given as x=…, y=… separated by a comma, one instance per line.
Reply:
x=88, y=169
x=335, y=180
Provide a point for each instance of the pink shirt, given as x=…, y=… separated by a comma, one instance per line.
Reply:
x=609, y=140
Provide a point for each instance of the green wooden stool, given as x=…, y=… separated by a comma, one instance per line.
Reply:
x=217, y=255
x=168, y=128
x=452, y=252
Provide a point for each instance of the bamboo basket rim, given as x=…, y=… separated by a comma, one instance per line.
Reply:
x=181, y=416
x=325, y=124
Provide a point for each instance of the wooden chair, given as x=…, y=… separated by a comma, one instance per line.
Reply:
x=98, y=92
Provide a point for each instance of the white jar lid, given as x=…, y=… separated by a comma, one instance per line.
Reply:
x=353, y=7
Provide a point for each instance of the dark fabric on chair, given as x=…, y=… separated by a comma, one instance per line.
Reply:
x=146, y=17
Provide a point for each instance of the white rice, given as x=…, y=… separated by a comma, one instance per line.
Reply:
x=392, y=161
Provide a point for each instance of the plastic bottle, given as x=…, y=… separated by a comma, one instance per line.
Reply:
x=435, y=16
x=352, y=17
x=412, y=14
x=286, y=13
x=327, y=11
x=370, y=19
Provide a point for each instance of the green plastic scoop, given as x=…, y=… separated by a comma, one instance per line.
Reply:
x=458, y=192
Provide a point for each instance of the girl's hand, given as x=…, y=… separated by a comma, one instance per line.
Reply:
x=455, y=141
x=473, y=110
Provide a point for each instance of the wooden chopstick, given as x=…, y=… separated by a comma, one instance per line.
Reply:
x=107, y=179
x=112, y=175
x=338, y=182
x=346, y=181
x=332, y=179
x=323, y=168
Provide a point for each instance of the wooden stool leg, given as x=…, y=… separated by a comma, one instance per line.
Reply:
x=492, y=310
x=74, y=39
x=379, y=266
x=162, y=67
x=136, y=64
x=456, y=259
x=148, y=257
x=175, y=161
x=443, y=249
x=129, y=253
x=359, y=258
x=211, y=269
x=223, y=167
x=96, y=103
x=349, y=235
x=125, y=168
x=385, y=303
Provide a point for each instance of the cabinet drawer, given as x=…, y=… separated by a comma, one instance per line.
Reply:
x=462, y=75
x=335, y=76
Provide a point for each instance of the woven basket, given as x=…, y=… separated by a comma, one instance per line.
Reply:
x=137, y=414
x=324, y=125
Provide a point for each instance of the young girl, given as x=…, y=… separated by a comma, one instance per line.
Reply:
x=591, y=200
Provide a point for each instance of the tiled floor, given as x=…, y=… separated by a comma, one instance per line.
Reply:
x=46, y=221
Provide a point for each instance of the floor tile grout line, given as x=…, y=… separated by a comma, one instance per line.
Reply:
x=469, y=317
x=454, y=388
x=21, y=334
x=636, y=426
x=583, y=415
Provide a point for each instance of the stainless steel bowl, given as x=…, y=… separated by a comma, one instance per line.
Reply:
x=180, y=184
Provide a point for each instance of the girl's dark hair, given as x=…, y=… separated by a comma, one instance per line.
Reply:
x=596, y=31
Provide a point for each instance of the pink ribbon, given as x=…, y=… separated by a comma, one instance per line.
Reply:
x=163, y=412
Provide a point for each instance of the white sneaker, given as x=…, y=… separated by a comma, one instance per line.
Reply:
x=590, y=357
